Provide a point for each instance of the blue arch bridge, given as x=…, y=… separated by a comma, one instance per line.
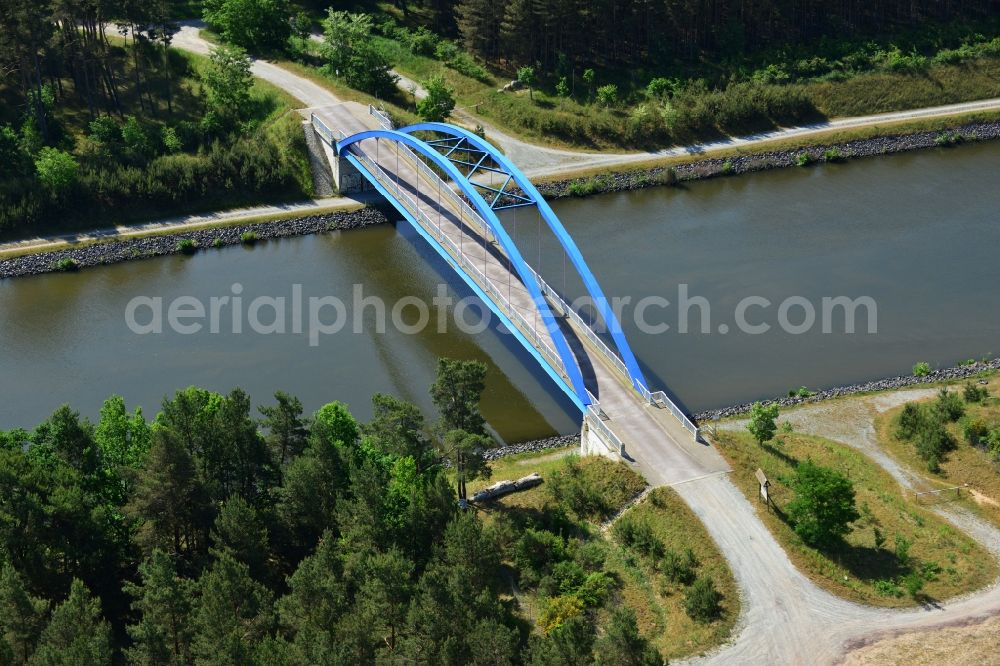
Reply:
x=449, y=184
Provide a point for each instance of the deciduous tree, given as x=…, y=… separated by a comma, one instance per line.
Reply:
x=823, y=508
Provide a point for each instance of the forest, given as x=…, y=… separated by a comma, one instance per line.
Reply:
x=653, y=33
x=214, y=536
x=101, y=122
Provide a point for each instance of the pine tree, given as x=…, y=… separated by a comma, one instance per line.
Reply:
x=397, y=428
x=76, y=634
x=162, y=602
x=233, y=615
x=456, y=392
x=383, y=597
x=21, y=618
x=622, y=645
x=171, y=500
x=240, y=532
x=517, y=31
x=287, y=431
x=316, y=601
x=64, y=436
x=479, y=25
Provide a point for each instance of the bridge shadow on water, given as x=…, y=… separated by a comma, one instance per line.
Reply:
x=497, y=330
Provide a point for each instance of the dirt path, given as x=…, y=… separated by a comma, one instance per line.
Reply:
x=977, y=643
x=787, y=618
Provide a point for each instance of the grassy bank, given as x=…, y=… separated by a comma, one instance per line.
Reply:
x=731, y=100
x=974, y=468
x=577, y=495
x=870, y=565
x=820, y=139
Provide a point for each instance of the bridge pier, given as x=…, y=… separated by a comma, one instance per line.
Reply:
x=347, y=179
x=592, y=444
x=346, y=176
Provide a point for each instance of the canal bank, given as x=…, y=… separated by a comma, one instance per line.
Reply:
x=620, y=179
x=694, y=168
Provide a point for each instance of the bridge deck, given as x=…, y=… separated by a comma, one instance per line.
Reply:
x=654, y=440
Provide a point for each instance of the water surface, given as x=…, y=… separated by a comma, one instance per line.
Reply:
x=918, y=233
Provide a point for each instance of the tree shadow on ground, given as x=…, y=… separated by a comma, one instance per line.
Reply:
x=781, y=455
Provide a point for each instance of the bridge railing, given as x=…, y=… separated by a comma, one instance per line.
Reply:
x=657, y=398
x=469, y=213
x=381, y=116
x=387, y=181
x=322, y=129
x=597, y=424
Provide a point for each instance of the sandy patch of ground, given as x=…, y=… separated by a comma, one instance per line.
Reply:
x=973, y=644
x=981, y=499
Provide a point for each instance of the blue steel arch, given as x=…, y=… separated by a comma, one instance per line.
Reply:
x=580, y=395
x=567, y=242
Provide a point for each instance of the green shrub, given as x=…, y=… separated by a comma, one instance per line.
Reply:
x=607, y=95
x=67, y=265
x=949, y=406
x=420, y=41
x=249, y=237
x=914, y=584
x=702, y=601
x=975, y=432
x=972, y=393
x=949, y=138
x=595, y=589
x=171, y=142
x=679, y=569
x=445, y=50
x=186, y=246
x=933, y=441
x=832, y=155
x=105, y=130
x=803, y=159
x=57, y=170
x=568, y=576
x=887, y=588
x=662, y=88
x=534, y=553
x=910, y=421
x=922, y=369
x=903, y=546
x=762, y=421
x=463, y=63
x=823, y=508
x=639, y=536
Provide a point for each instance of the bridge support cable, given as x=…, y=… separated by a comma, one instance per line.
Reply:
x=559, y=363
x=529, y=195
x=504, y=198
x=562, y=353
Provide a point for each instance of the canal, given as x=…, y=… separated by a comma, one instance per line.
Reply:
x=916, y=235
